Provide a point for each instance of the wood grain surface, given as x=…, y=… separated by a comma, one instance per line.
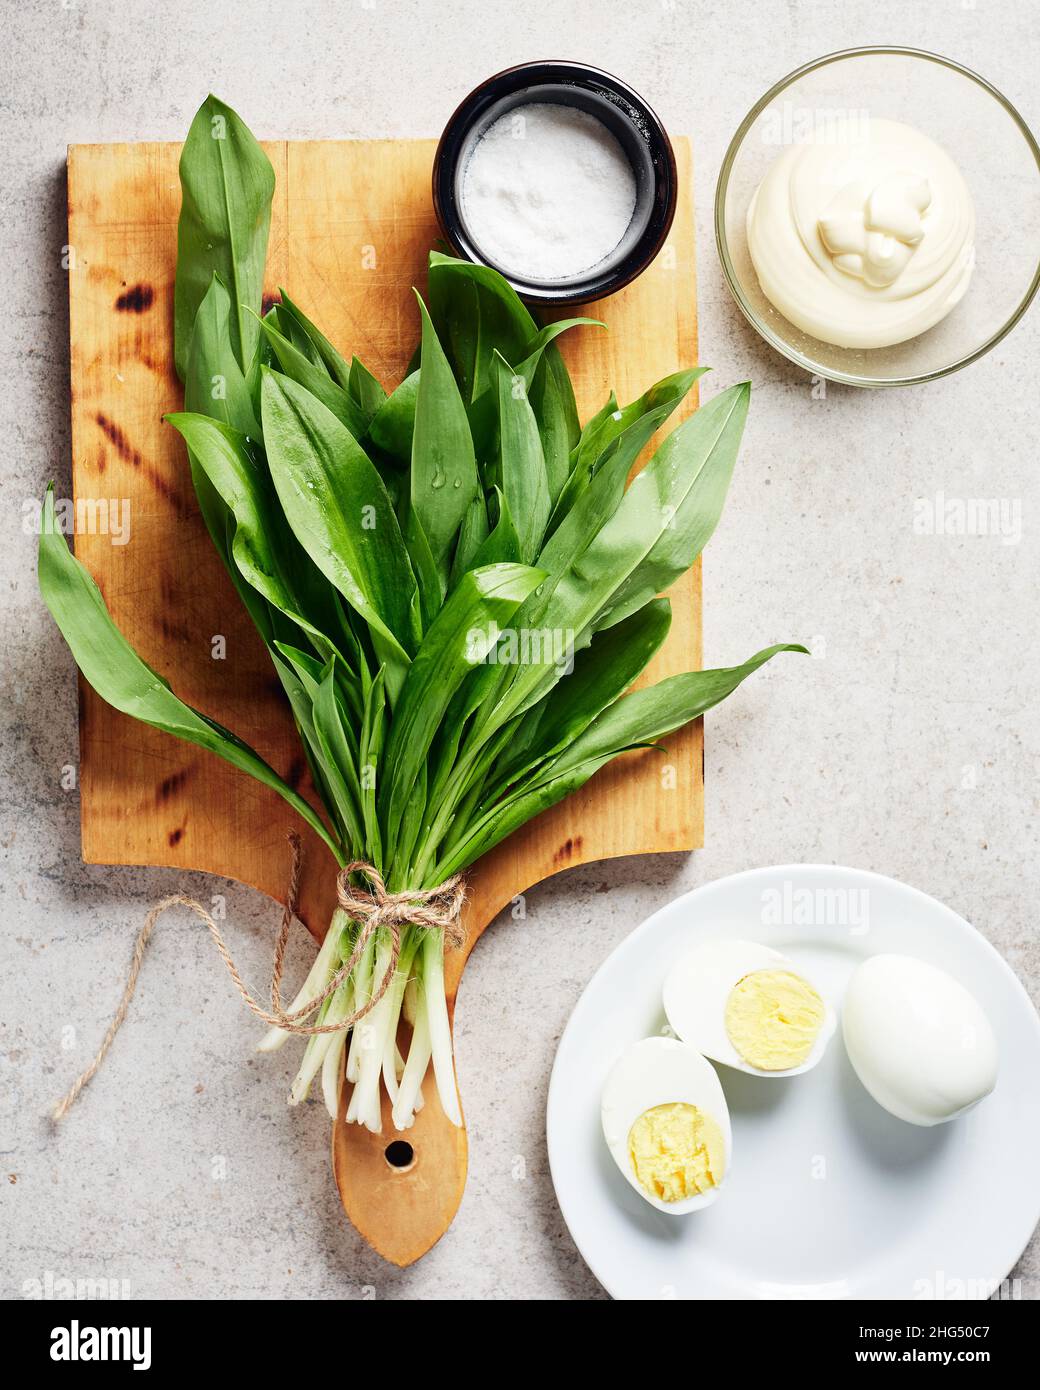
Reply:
x=351, y=228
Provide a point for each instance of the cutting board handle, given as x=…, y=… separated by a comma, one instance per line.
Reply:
x=402, y=1189
x=403, y=1199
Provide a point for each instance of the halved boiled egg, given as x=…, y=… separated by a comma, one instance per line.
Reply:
x=748, y=1006
x=666, y=1123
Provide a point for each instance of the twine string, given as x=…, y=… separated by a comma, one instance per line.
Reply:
x=371, y=908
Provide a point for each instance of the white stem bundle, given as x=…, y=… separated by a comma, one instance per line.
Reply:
x=369, y=1057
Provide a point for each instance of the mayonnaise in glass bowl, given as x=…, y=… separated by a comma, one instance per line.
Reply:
x=865, y=240
x=972, y=280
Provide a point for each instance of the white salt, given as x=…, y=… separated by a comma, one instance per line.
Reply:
x=548, y=192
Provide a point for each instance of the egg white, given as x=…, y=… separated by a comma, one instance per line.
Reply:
x=698, y=986
x=662, y=1071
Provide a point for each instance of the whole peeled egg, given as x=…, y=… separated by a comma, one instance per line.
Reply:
x=666, y=1124
x=917, y=1039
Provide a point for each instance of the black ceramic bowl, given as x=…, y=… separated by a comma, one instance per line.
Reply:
x=625, y=114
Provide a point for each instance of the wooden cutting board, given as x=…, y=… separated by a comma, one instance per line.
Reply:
x=352, y=225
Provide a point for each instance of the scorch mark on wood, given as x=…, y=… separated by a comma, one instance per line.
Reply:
x=118, y=440
x=171, y=785
x=136, y=300
x=568, y=849
x=132, y=456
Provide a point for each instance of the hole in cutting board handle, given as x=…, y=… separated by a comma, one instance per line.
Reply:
x=399, y=1155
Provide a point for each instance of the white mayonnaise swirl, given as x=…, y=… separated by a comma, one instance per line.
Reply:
x=864, y=238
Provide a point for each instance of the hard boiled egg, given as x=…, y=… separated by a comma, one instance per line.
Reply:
x=748, y=1006
x=666, y=1123
x=917, y=1039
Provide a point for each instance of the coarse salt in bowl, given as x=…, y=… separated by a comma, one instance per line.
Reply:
x=560, y=177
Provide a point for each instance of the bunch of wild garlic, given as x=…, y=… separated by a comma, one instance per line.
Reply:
x=422, y=566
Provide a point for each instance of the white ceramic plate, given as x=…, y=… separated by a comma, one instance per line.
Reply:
x=828, y=1196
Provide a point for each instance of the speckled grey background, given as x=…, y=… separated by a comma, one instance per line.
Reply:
x=909, y=747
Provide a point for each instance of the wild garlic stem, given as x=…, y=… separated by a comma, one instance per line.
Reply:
x=418, y=1060
x=372, y=1034
x=362, y=994
x=440, y=1027
x=326, y=963
x=331, y=1068
x=313, y=1056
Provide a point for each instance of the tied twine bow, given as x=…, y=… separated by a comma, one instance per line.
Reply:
x=438, y=908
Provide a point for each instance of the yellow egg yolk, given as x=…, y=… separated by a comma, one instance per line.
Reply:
x=677, y=1151
x=772, y=1018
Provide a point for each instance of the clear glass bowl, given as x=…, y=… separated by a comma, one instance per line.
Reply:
x=988, y=140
